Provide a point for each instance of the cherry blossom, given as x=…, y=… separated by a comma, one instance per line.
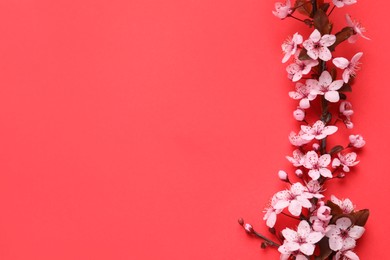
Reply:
x=345, y=205
x=296, y=139
x=346, y=108
x=346, y=255
x=282, y=10
x=314, y=190
x=317, y=165
x=341, y=3
x=343, y=234
x=357, y=141
x=303, y=93
x=317, y=45
x=248, y=228
x=271, y=213
x=297, y=159
x=318, y=131
x=299, y=68
x=346, y=161
x=325, y=86
x=290, y=46
x=299, y=114
x=357, y=28
x=302, y=240
x=349, y=67
x=294, y=199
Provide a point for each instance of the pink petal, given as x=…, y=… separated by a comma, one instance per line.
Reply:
x=311, y=159
x=356, y=232
x=315, y=36
x=351, y=255
x=328, y=40
x=271, y=220
x=325, y=78
x=332, y=96
x=304, y=103
x=324, y=54
x=295, y=208
x=349, y=243
x=328, y=130
x=326, y=172
x=289, y=234
x=281, y=204
x=307, y=249
x=356, y=57
x=335, y=243
x=324, y=160
x=343, y=223
x=314, y=174
x=346, y=75
x=303, y=228
x=314, y=237
x=341, y=63
x=313, y=53
x=336, y=85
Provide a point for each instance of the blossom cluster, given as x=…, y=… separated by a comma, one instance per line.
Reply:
x=326, y=228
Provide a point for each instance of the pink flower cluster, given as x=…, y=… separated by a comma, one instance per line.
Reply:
x=334, y=223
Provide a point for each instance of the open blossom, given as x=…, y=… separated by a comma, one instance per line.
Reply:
x=357, y=141
x=317, y=165
x=299, y=68
x=314, y=190
x=303, y=94
x=290, y=46
x=318, y=131
x=345, y=205
x=349, y=67
x=346, y=161
x=294, y=199
x=296, y=139
x=297, y=159
x=357, y=28
x=271, y=213
x=341, y=3
x=317, y=45
x=302, y=240
x=282, y=10
x=343, y=234
x=326, y=86
x=346, y=255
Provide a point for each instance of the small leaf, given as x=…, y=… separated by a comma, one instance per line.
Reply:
x=336, y=149
x=325, y=250
x=324, y=7
x=321, y=22
x=304, y=7
x=334, y=208
x=303, y=55
x=345, y=88
x=272, y=230
x=333, y=73
x=361, y=217
x=341, y=36
x=343, y=96
x=263, y=245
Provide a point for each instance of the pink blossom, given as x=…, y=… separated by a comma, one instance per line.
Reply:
x=302, y=240
x=348, y=123
x=294, y=199
x=323, y=213
x=345, y=205
x=325, y=86
x=299, y=114
x=346, y=255
x=303, y=93
x=349, y=67
x=318, y=131
x=317, y=165
x=341, y=3
x=357, y=28
x=290, y=46
x=296, y=139
x=271, y=213
x=343, y=234
x=317, y=46
x=314, y=190
x=282, y=10
x=346, y=108
x=357, y=141
x=346, y=161
x=299, y=68
x=297, y=159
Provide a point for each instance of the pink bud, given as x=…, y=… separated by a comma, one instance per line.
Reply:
x=299, y=114
x=346, y=108
x=341, y=175
x=323, y=213
x=299, y=173
x=248, y=228
x=316, y=146
x=357, y=141
x=348, y=124
x=283, y=176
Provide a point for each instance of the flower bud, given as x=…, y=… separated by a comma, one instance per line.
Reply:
x=299, y=114
x=346, y=108
x=299, y=173
x=248, y=228
x=241, y=221
x=316, y=146
x=348, y=124
x=357, y=141
x=283, y=176
x=341, y=175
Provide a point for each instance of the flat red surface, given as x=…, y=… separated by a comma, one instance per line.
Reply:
x=142, y=129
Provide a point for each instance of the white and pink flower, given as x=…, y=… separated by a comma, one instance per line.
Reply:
x=317, y=45
x=290, y=46
x=271, y=213
x=294, y=199
x=345, y=161
x=343, y=234
x=326, y=86
x=282, y=10
x=296, y=139
x=345, y=205
x=317, y=131
x=349, y=67
x=356, y=141
x=303, y=240
x=341, y=3
x=317, y=165
x=297, y=159
x=357, y=28
x=303, y=94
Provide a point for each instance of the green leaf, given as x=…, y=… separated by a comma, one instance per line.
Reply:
x=336, y=149
x=321, y=22
x=341, y=36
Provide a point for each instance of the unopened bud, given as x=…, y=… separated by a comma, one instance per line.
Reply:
x=299, y=173
x=283, y=176
x=248, y=228
x=263, y=245
x=341, y=175
x=299, y=114
x=348, y=124
x=241, y=221
x=357, y=141
x=316, y=146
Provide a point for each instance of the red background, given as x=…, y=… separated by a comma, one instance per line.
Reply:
x=142, y=129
